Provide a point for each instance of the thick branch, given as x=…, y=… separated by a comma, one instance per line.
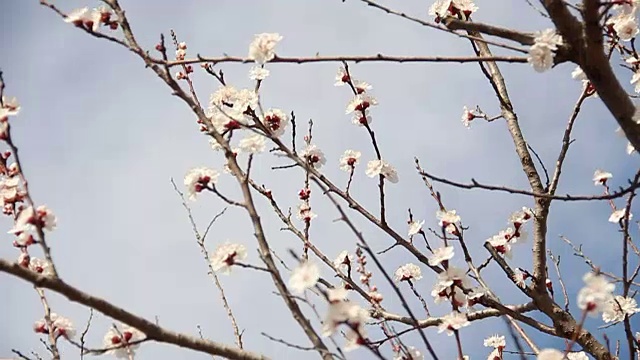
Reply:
x=151, y=330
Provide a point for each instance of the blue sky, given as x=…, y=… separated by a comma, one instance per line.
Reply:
x=101, y=137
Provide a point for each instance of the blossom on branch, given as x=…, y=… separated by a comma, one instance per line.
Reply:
x=618, y=308
x=441, y=254
x=452, y=322
x=304, y=276
x=408, y=272
x=118, y=341
x=381, y=167
x=198, y=179
x=600, y=177
x=314, y=156
x=226, y=255
x=595, y=296
x=541, y=52
x=349, y=160
x=262, y=48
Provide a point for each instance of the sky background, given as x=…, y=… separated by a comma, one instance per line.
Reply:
x=100, y=138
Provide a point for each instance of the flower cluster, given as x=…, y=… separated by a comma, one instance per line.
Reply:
x=596, y=295
x=198, y=179
x=541, y=52
x=512, y=235
x=91, y=19
x=262, y=48
x=381, y=167
x=623, y=24
x=122, y=341
x=342, y=311
x=304, y=276
x=60, y=326
x=408, y=272
x=498, y=343
x=362, y=100
x=448, y=220
x=461, y=9
x=226, y=255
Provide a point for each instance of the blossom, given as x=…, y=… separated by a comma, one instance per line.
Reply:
x=578, y=74
x=443, y=8
x=500, y=244
x=550, y=354
x=60, y=326
x=580, y=355
x=261, y=49
x=198, y=179
x=408, y=272
x=441, y=254
x=618, y=215
x=519, y=277
x=42, y=267
x=314, y=156
x=258, y=73
x=540, y=57
x=596, y=293
x=361, y=86
x=447, y=220
x=85, y=17
x=342, y=77
x=118, y=341
x=381, y=167
x=618, y=308
x=415, y=227
x=11, y=105
x=361, y=119
x=452, y=321
x=337, y=294
x=540, y=53
x=496, y=341
x=600, y=177
x=344, y=258
x=304, y=276
x=520, y=217
x=344, y=312
x=360, y=103
x=355, y=338
x=412, y=354
x=467, y=117
x=42, y=217
x=349, y=160
x=253, y=144
x=305, y=213
x=276, y=120
x=625, y=26
x=226, y=255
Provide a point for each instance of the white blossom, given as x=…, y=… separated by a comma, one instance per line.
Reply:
x=600, y=177
x=258, y=73
x=452, y=321
x=304, y=276
x=408, y=272
x=349, y=160
x=618, y=308
x=262, y=48
x=197, y=179
x=226, y=255
x=618, y=215
x=415, y=227
x=596, y=293
x=314, y=156
x=119, y=341
x=276, y=120
x=495, y=341
x=253, y=144
x=360, y=103
x=381, y=167
x=42, y=267
x=441, y=254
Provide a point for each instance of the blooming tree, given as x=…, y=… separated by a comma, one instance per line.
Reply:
x=358, y=300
